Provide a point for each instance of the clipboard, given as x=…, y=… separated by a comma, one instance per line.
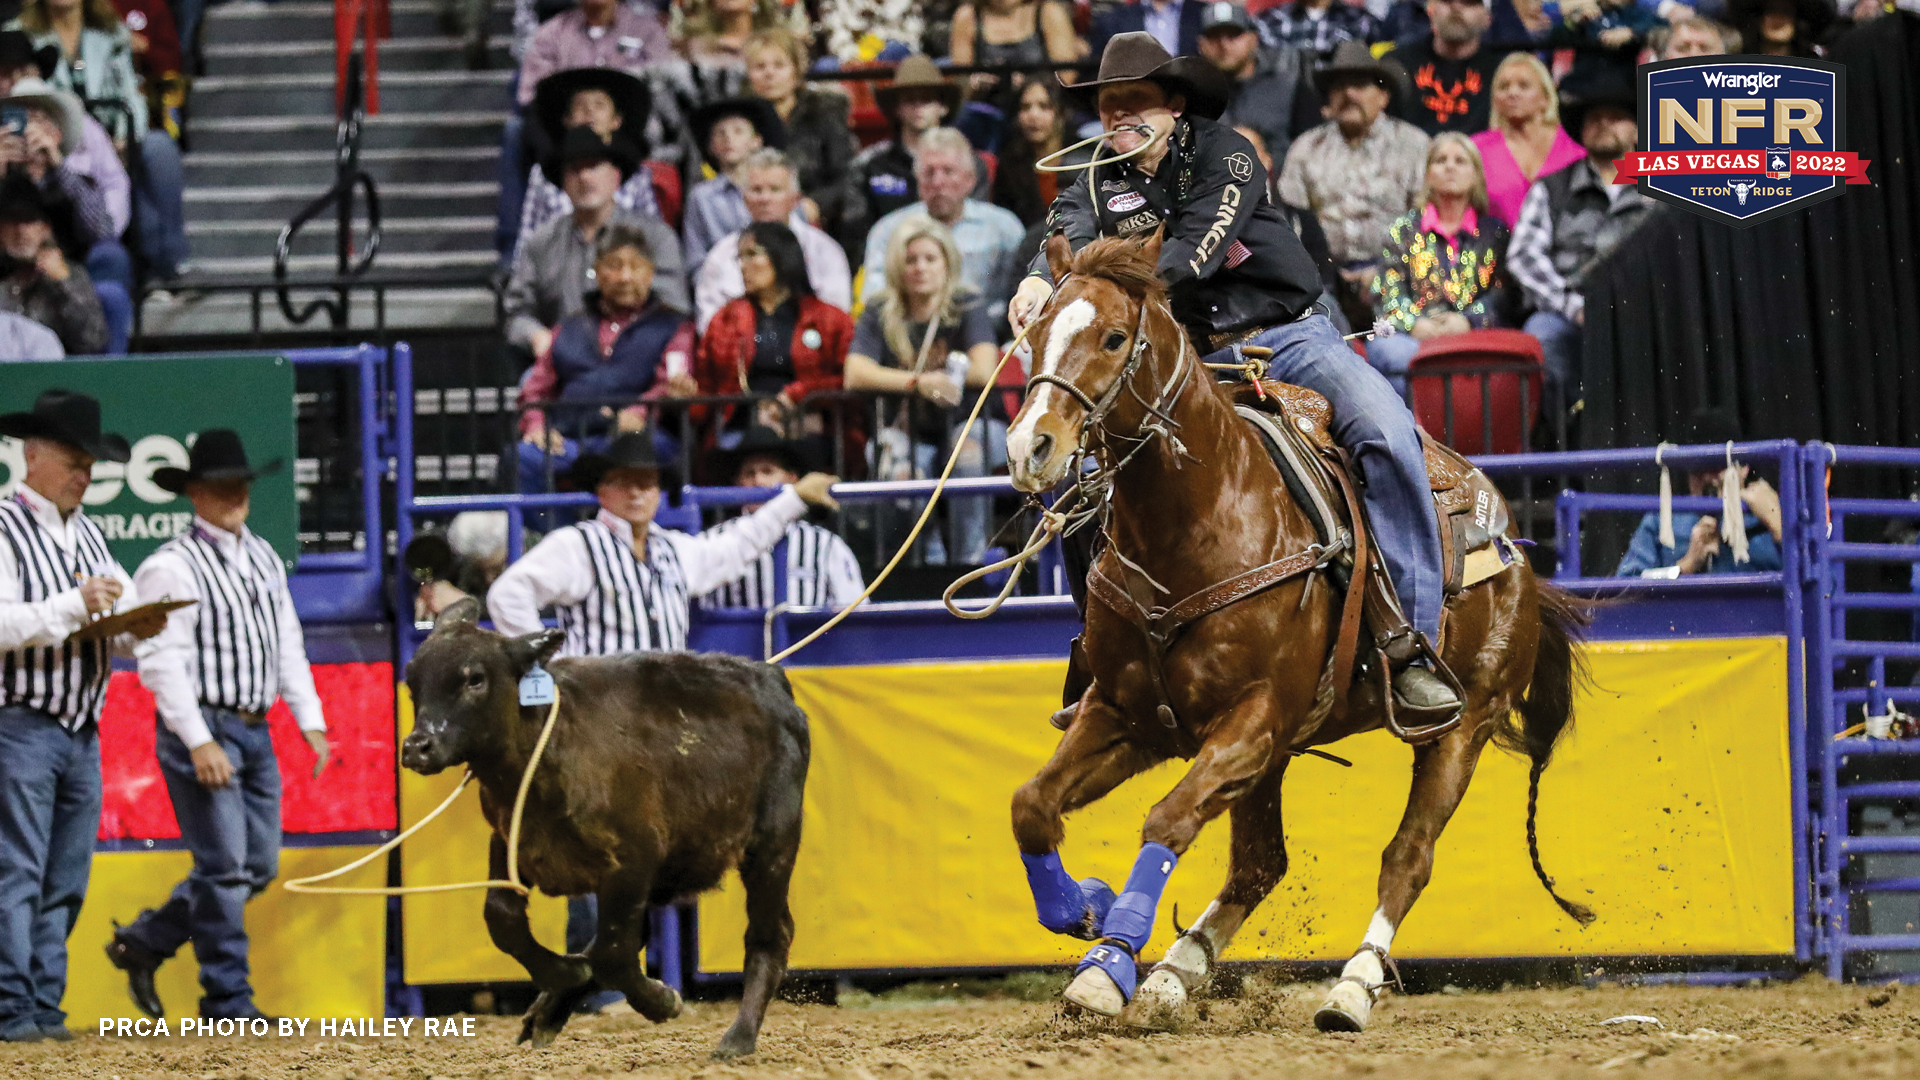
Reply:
x=113, y=625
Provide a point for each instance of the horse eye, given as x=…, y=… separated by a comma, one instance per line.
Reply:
x=1115, y=339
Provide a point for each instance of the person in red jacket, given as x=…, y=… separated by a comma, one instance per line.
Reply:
x=779, y=339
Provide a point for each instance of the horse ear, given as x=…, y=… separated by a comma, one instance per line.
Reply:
x=462, y=611
x=1150, y=244
x=1059, y=255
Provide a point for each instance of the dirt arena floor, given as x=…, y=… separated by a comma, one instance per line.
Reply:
x=1808, y=1030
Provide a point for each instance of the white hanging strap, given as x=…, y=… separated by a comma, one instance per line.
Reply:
x=1666, y=495
x=1733, y=512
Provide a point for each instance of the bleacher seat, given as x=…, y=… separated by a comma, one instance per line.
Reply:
x=1479, y=367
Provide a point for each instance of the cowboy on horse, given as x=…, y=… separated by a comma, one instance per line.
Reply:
x=1241, y=283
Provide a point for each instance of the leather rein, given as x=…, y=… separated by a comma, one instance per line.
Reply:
x=1161, y=625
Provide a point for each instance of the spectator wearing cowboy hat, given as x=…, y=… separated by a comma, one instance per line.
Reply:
x=1272, y=93
x=728, y=132
x=1572, y=219
x=881, y=178
x=214, y=672
x=1653, y=555
x=821, y=568
x=56, y=574
x=609, y=102
x=1359, y=171
x=1782, y=27
x=624, y=347
x=553, y=270
x=37, y=280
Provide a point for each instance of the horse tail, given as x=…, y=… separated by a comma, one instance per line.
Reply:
x=1559, y=668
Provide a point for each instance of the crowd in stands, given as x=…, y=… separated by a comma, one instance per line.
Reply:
x=1447, y=163
x=91, y=196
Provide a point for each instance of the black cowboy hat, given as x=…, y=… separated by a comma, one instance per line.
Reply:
x=1597, y=84
x=755, y=111
x=216, y=455
x=917, y=73
x=795, y=455
x=633, y=450
x=17, y=51
x=1137, y=55
x=553, y=97
x=67, y=417
x=1352, y=58
x=581, y=144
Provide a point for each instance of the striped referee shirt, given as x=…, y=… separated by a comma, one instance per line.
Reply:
x=609, y=599
x=821, y=572
x=42, y=557
x=239, y=648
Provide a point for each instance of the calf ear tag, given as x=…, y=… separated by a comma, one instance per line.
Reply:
x=536, y=687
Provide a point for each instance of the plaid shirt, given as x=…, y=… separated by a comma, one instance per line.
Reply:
x=1549, y=257
x=1295, y=25
x=1357, y=191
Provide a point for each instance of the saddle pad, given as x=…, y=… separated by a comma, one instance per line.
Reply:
x=1306, y=489
x=1483, y=563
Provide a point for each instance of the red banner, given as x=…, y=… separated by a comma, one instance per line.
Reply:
x=1723, y=162
x=355, y=793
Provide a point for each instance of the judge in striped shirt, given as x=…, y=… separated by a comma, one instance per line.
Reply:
x=214, y=672
x=55, y=574
x=821, y=569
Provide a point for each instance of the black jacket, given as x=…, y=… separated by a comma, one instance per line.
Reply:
x=821, y=146
x=1230, y=261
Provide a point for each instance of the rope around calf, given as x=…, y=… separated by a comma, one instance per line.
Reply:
x=305, y=884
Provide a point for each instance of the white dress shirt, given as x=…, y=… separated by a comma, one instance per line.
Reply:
x=49, y=622
x=170, y=661
x=559, y=571
x=718, y=279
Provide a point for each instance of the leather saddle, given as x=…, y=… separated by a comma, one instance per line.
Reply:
x=1295, y=424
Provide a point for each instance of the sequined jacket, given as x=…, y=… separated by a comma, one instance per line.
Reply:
x=1424, y=272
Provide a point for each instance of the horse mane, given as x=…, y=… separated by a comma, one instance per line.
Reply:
x=1119, y=260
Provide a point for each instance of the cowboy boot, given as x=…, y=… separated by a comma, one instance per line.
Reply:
x=1421, y=698
x=1078, y=679
x=139, y=963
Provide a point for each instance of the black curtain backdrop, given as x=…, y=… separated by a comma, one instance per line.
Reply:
x=1805, y=327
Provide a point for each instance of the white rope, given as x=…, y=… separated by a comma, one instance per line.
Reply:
x=1733, y=514
x=1666, y=495
x=1153, y=137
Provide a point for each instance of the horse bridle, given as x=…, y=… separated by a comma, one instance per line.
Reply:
x=1158, y=420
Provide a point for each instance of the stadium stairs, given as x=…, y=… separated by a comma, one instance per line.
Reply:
x=260, y=146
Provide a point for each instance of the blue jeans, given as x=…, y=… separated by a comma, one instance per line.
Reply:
x=186, y=19
x=111, y=269
x=1375, y=426
x=160, y=215
x=1560, y=351
x=513, y=181
x=986, y=451
x=49, y=815
x=1392, y=356
x=234, y=834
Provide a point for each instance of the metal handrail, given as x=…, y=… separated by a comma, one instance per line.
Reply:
x=347, y=175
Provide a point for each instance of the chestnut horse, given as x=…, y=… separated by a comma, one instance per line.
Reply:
x=1193, y=499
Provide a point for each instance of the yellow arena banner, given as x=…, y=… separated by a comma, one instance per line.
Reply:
x=311, y=955
x=1666, y=810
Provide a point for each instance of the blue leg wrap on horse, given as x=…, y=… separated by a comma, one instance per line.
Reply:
x=1131, y=919
x=1056, y=899
x=1117, y=963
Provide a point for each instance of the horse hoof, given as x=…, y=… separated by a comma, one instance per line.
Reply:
x=674, y=1007
x=735, y=1044
x=1158, y=1003
x=1095, y=991
x=1346, y=1009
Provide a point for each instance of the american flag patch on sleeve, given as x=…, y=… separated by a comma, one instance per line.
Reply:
x=1237, y=253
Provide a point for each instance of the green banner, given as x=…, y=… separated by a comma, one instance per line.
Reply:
x=161, y=404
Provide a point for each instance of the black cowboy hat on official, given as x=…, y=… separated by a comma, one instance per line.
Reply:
x=581, y=145
x=553, y=100
x=1137, y=56
x=21, y=200
x=71, y=418
x=1354, y=58
x=755, y=111
x=633, y=450
x=217, y=454
x=1591, y=87
x=794, y=455
x=917, y=74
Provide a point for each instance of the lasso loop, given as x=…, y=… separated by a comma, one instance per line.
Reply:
x=1143, y=129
